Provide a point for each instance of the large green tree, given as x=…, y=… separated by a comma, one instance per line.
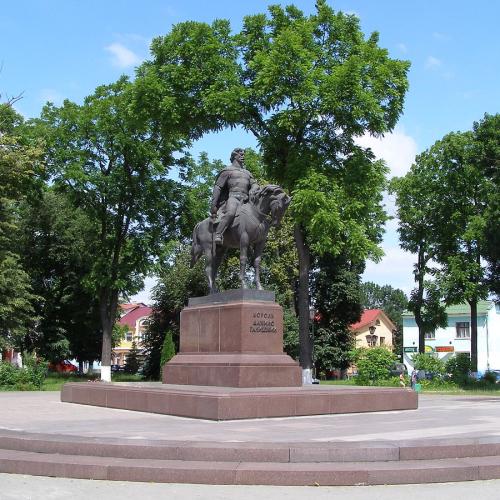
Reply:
x=336, y=288
x=487, y=141
x=105, y=155
x=446, y=196
x=415, y=201
x=305, y=86
x=19, y=168
x=58, y=241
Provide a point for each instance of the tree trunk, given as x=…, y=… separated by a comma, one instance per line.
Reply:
x=420, y=300
x=108, y=304
x=473, y=335
x=305, y=346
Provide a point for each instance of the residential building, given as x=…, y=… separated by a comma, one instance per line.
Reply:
x=135, y=317
x=374, y=329
x=455, y=337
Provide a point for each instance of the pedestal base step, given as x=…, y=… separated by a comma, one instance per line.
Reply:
x=226, y=403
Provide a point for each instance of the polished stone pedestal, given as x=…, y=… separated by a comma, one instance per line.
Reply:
x=233, y=339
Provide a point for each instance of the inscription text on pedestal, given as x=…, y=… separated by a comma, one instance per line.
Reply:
x=263, y=322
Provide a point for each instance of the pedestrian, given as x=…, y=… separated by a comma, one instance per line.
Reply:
x=413, y=379
x=402, y=380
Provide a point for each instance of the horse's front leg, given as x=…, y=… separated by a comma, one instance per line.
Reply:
x=258, y=249
x=243, y=258
x=209, y=271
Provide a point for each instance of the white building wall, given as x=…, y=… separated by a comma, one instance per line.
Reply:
x=488, y=341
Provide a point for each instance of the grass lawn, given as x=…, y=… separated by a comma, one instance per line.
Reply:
x=435, y=388
x=55, y=381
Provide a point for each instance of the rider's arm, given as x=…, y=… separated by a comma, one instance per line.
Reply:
x=253, y=187
x=219, y=184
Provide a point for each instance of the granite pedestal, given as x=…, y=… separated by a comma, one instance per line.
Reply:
x=233, y=339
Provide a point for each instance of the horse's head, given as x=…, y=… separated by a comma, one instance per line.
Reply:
x=271, y=199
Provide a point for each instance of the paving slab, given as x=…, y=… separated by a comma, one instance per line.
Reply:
x=438, y=417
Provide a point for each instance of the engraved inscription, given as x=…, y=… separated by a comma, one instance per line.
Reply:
x=263, y=322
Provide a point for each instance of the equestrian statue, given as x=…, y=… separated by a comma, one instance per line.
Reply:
x=242, y=213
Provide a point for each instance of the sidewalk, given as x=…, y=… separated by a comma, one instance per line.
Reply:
x=18, y=487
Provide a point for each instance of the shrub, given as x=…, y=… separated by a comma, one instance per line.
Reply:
x=375, y=364
x=132, y=361
x=168, y=349
x=428, y=362
x=30, y=377
x=459, y=367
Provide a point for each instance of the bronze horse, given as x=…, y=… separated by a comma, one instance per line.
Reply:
x=249, y=228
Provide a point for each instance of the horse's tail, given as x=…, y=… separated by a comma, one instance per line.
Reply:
x=195, y=246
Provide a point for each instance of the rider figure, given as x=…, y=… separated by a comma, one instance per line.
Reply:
x=233, y=187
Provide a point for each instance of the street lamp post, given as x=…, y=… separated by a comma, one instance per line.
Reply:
x=312, y=314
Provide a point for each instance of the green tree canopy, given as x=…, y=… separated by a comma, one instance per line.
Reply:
x=19, y=166
x=305, y=86
x=105, y=155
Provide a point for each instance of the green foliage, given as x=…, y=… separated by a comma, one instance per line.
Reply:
x=487, y=141
x=428, y=362
x=290, y=332
x=108, y=159
x=28, y=378
x=177, y=282
x=168, y=349
x=132, y=362
x=59, y=248
x=19, y=167
x=305, y=86
x=336, y=289
x=374, y=364
x=459, y=367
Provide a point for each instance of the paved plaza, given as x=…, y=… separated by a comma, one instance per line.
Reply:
x=437, y=417
x=448, y=438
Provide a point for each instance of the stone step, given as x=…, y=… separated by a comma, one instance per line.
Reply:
x=284, y=452
x=270, y=473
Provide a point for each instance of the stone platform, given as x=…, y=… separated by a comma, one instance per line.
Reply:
x=228, y=403
x=449, y=438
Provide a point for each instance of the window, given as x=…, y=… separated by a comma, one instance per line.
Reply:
x=377, y=322
x=430, y=336
x=382, y=340
x=462, y=330
x=371, y=340
x=128, y=336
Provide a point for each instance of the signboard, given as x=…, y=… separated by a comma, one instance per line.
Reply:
x=429, y=348
x=410, y=349
x=445, y=348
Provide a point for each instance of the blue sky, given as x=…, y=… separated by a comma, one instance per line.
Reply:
x=56, y=49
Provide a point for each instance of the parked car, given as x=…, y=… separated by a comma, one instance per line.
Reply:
x=63, y=367
x=117, y=368
x=398, y=369
x=496, y=374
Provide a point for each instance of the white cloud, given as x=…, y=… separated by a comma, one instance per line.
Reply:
x=145, y=294
x=395, y=269
x=432, y=62
x=122, y=57
x=51, y=95
x=402, y=47
x=440, y=36
x=397, y=149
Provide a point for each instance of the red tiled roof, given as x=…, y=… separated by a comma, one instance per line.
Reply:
x=132, y=312
x=368, y=316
